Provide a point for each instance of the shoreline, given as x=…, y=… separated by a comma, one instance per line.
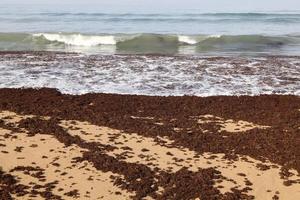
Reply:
x=234, y=55
x=208, y=147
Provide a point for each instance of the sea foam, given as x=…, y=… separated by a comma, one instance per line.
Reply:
x=187, y=39
x=151, y=75
x=79, y=39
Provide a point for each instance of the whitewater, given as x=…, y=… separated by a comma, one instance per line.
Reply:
x=73, y=73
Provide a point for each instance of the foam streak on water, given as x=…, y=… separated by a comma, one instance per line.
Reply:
x=151, y=75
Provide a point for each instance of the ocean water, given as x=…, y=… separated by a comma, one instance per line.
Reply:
x=149, y=52
x=91, y=29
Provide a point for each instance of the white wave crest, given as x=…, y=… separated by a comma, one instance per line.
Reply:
x=78, y=39
x=214, y=36
x=187, y=39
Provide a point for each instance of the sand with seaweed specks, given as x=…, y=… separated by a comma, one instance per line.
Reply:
x=46, y=154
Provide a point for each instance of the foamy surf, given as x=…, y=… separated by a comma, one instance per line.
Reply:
x=151, y=75
x=187, y=39
x=78, y=39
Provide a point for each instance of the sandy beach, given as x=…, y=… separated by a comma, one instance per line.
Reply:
x=105, y=146
x=149, y=100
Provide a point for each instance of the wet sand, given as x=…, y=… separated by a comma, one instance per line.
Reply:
x=102, y=146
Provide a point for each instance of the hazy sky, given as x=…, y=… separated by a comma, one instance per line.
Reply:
x=205, y=5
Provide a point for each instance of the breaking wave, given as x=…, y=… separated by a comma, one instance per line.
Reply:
x=146, y=43
x=78, y=39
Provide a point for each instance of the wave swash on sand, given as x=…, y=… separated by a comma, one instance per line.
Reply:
x=151, y=74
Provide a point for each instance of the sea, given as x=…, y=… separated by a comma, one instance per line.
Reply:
x=165, y=52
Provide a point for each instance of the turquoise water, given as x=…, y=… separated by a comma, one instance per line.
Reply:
x=131, y=30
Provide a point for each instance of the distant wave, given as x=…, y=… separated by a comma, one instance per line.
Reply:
x=156, y=17
x=147, y=43
x=247, y=14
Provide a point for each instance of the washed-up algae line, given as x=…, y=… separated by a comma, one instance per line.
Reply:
x=178, y=118
x=265, y=128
